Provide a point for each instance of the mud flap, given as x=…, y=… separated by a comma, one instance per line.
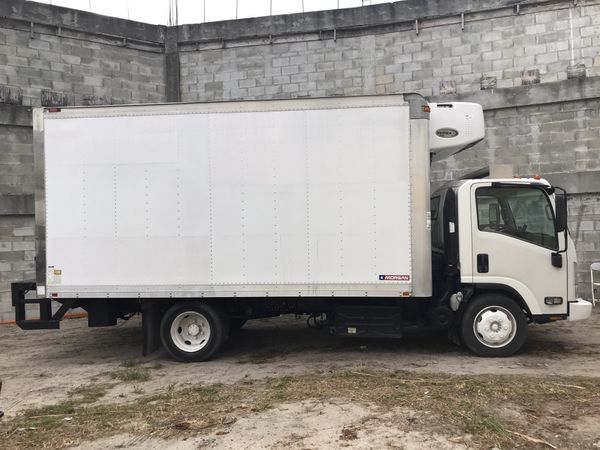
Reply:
x=150, y=326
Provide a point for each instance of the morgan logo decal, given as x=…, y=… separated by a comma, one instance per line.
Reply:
x=394, y=277
x=446, y=132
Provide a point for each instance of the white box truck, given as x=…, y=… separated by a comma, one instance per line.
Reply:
x=202, y=216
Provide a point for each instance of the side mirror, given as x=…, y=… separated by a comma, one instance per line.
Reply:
x=561, y=212
x=557, y=260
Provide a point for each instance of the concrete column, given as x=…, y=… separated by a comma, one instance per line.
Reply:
x=172, y=72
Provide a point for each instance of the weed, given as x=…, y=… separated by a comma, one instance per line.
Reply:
x=453, y=403
x=283, y=382
x=491, y=424
x=91, y=393
x=131, y=374
x=130, y=363
x=206, y=393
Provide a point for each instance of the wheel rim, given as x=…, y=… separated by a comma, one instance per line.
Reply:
x=190, y=331
x=495, y=326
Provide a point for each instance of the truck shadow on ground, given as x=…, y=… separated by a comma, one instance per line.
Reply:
x=261, y=344
x=261, y=341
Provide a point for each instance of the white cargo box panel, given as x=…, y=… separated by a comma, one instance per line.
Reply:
x=275, y=198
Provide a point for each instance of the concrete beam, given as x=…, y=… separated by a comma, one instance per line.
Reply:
x=376, y=15
x=529, y=95
x=16, y=205
x=15, y=115
x=576, y=183
x=82, y=21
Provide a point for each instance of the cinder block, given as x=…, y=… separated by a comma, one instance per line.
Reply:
x=299, y=59
x=289, y=70
x=70, y=59
x=546, y=58
x=538, y=28
x=532, y=50
x=461, y=69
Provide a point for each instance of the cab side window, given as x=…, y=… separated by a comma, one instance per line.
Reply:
x=522, y=212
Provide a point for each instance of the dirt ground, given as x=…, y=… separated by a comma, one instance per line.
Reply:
x=278, y=383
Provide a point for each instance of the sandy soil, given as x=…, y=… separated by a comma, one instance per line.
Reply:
x=305, y=425
x=40, y=368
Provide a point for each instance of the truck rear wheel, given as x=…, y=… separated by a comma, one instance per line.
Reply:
x=193, y=331
x=493, y=325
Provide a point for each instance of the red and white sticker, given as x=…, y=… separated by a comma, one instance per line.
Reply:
x=394, y=277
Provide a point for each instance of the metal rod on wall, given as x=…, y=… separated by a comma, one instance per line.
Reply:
x=271, y=8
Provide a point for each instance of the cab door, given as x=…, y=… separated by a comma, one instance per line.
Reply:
x=513, y=239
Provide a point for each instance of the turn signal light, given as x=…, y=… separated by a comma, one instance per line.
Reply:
x=553, y=300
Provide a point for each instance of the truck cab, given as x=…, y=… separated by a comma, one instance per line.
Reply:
x=502, y=258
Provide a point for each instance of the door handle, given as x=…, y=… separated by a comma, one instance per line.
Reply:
x=483, y=263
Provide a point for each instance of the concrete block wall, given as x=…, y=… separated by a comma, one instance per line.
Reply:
x=51, y=55
x=540, y=88
x=17, y=252
x=79, y=67
x=16, y=160
x=584, y=224
x=547, y=139
x=517, y=62
x=496, y=45
x=557, y=140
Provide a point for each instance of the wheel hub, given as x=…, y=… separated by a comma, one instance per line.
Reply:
x=495, y=326
x=190, y=331
x=193, y=329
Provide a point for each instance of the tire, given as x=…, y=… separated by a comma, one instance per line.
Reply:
x=194, y=331
x=493, y=325
x=236, y=325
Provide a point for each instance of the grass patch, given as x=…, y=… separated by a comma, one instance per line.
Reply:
x=206, y=393
x=130, y=363
x=452, y=404
x=89, y=394
x=131, y=374
x=487, y=424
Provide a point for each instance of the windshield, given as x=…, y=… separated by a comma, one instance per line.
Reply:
x=523, y=212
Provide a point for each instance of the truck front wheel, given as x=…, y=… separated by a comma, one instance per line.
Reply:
x=493, y=325
x=193, y=331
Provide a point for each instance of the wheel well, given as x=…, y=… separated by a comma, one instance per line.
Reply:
x=499, y=289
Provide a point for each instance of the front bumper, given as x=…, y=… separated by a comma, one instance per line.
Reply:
x=579, y=310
